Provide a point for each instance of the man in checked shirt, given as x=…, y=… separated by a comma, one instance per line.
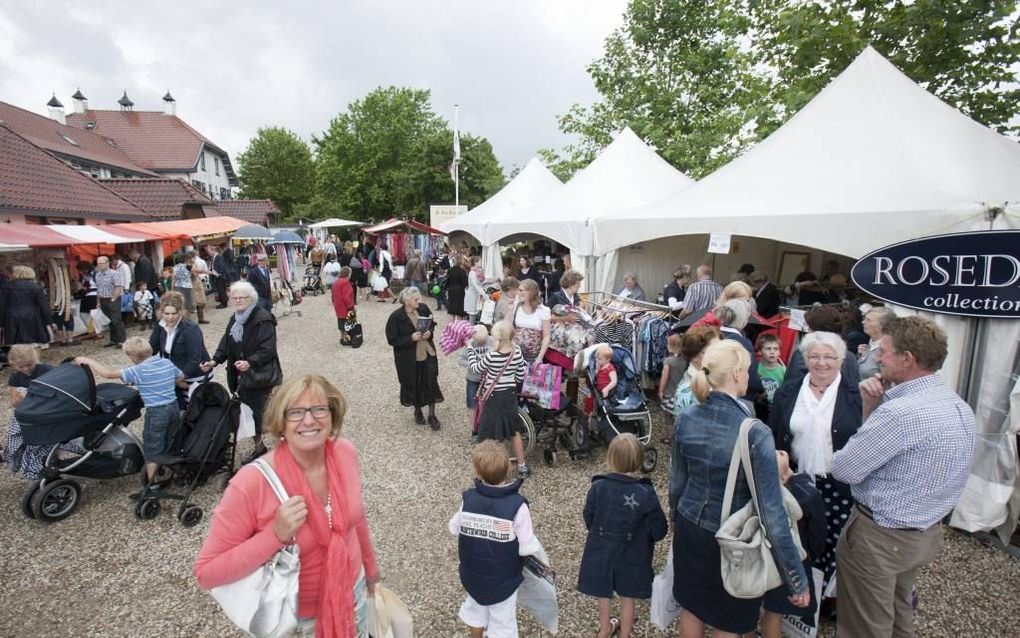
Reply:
x=907, y=466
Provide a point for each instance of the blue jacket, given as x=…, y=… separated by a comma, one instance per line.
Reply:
x=624, y=521
x=187, y=351
x=703, y=443
x=490, y=562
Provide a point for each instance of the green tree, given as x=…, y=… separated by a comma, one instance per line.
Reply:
x=700, y=80
x=389, y=154
x=277, y=165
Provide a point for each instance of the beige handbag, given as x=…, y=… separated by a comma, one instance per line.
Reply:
x=390, y=617
x=748, y=567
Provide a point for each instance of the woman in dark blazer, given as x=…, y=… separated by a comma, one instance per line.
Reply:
x=187, y=347
x=249, y=348
x=24, y=309
x=456, y=286
x=414, y=355
x=811, y=418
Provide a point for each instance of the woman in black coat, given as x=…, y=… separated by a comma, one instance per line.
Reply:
x=456, y=285
x=249, y=348
x=414, y=355
x=813, y=417
x=187, y=347
x=24, y=309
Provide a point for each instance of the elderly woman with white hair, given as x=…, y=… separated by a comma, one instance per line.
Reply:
x=631, y=289
x=409, y=332
x=249, y=349
x=813, y=417
x=733, y=317
x=875, y=321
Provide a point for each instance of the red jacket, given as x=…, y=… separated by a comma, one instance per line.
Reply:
x=343, y=297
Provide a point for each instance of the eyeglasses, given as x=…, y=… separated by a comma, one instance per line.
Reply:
x=242, y=298
x=294, y=415
x=818, y=358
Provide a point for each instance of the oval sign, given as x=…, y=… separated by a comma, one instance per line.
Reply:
x=972, y=274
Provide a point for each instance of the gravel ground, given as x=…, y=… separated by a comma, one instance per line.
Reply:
x=103, y=573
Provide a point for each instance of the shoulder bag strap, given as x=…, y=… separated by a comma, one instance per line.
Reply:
x=731, y=478
x=272, y=478
x=492, y=388
x=745, y=454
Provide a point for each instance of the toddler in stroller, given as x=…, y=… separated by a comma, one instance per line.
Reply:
x=65, y=405
x=313, y=281
x=623, y=407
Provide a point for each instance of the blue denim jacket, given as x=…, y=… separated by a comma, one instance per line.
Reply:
x=703, y=442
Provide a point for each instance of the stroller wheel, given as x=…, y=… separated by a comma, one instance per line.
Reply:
x=27, y=498
x=651, y=459
x=579, y=432
x=57, y=500
x=526, y=428
x=147, y=509
x=549, y=456
x=190, y=515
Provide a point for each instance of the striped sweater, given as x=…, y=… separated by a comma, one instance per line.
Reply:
x=490, y=363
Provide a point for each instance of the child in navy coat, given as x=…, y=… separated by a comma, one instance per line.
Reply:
x=811, y=527
x=624, y=520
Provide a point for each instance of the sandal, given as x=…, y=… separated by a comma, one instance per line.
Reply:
x=614, y=627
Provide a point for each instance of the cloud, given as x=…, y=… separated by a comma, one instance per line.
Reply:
x=512, y=66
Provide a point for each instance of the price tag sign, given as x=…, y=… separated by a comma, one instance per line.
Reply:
x=797, y=321
x=719, y=243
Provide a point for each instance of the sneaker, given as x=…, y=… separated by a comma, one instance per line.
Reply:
x=523, y=472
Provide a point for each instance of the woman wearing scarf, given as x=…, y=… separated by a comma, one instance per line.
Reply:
x=814, y=416
x=475, y=294
x=249, y=349
x=414, y=355
x=324, y=515
x=180, y=340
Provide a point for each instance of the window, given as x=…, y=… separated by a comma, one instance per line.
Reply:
x=223, y=193
x=89, y=126
x=217, y=165
x=94, y=171
x=199, y=185
x=201, y=161
x=68, y=139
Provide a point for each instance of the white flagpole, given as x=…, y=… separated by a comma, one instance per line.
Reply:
x=456, y=155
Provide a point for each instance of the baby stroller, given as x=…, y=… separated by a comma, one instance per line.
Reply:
x=203, y=446
x=625, y=410
x=64, y=405
x=313, y=281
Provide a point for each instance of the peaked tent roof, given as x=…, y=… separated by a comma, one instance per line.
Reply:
x=627, y=174
x=872, y=160
x=534, y=185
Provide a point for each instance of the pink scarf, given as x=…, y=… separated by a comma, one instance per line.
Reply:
x=479, y=273
x=336, y=590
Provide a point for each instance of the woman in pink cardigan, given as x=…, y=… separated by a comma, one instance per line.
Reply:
x=324, y=515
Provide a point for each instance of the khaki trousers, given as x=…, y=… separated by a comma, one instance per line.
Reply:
x=876, y=568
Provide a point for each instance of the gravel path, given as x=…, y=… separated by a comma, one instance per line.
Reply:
x=103, y=573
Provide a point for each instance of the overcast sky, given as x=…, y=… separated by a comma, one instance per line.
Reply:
x=512, y=65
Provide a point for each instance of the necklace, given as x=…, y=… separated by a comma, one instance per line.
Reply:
x=329, y=509
x=822, y=388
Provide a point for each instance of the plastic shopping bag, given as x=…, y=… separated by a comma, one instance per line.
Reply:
x=794, y=626
x=664, y=610
x=543, y=383
x=389, y=617
x=246, y=427
x=537, y=593
x=99, y=320
x=488, y=312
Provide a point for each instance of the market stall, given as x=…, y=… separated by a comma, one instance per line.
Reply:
x=403, y=236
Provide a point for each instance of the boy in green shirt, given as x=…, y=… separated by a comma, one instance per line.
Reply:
x=770, y=369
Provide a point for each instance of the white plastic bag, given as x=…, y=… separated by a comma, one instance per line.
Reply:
x=794, y=626
x=664, y=610
x=488, y=312
x=537, y=594
x=379, y=284
x=389, y=617
x=246, y=427
x=99, y=320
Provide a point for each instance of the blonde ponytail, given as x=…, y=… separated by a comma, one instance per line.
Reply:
x=718, y=362
x=700, y=385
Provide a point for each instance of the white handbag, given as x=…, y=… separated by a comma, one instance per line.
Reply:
x=390, y=617
x=488, y=312
x=748, y=567
x=264, y=603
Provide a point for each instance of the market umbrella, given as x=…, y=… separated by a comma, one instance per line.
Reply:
x=286, y=237
x=253, y=232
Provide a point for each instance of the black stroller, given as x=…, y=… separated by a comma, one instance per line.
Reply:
x=65, y=405
x=625, y=410
x=203, y=446
x=313, y=280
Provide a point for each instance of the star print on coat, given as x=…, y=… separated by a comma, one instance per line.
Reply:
x=630, y=501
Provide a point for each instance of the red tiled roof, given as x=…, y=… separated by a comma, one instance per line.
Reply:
x=33, y=180
x=151, y=139
x=160, y=197
x=48, y=134
x=256, y=211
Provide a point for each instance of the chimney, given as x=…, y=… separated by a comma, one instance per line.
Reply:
x=169, y=104
x=125, y=102
x=56, y=109
x=81, y=103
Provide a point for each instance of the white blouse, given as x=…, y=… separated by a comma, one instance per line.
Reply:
x=811, y=428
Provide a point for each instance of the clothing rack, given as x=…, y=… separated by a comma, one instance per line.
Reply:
x=636, y=305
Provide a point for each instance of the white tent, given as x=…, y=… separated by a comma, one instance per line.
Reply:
x=874, y=159
x=532, y=186
x=334, y=222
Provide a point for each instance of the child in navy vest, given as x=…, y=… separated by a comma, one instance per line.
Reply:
x=812, y=529
x=624, y=520
x=494, y=532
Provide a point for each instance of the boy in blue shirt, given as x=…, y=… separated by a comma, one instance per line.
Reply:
x=155, y=379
